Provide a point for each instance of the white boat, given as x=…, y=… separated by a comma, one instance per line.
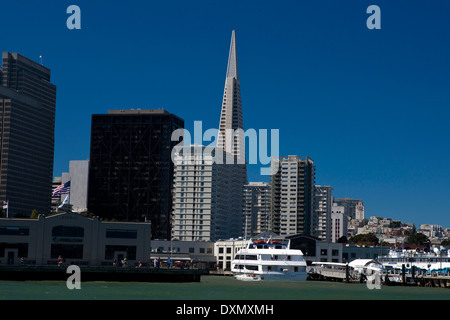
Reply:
x=435, y=260
x=269, y=260
x=248, y=277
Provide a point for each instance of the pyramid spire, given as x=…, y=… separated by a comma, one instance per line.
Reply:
x=231, y=135
x=232, y=69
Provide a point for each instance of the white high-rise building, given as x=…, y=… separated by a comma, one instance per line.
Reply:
x=339, y=220
x=292, y=195
x=207, y=196
x=256, y=208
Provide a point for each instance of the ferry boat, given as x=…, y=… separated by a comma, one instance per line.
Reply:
x=437, y=259
x=269, y=260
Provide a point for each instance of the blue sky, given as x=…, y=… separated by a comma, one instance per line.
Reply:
x=370, y=107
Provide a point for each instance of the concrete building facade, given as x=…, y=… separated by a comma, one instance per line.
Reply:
x=339, y=222
x=292, y=189
x=207, y=196
x=257, y=197
x=323, y=201
x=77, y=239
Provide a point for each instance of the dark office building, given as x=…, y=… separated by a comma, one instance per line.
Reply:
x=131, y=170
x=27, y=125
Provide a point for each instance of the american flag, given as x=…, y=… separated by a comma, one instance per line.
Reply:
x=62, y=189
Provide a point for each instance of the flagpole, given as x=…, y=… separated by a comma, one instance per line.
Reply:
x=68, y=202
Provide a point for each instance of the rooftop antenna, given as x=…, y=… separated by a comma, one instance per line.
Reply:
x=40, y=57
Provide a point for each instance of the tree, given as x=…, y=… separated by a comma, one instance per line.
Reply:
x=395, y=224
x=417, y=238
x=365, y=238
x=34, y=214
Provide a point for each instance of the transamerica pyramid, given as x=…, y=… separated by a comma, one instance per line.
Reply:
x=231, y=128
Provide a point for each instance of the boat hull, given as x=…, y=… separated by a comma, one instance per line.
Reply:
x=291, y=276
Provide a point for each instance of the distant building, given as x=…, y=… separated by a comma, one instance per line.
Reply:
x=432, y=231
x=225, y=251
x=323, y=201
x=354, y=208
x=78, y=176
x=79, y=181
x=131, y=170
x=292, y=189
x=352, y=252
x=27, y=135
x=198, y=254
x=316, y=250
x=256, y=208
x=338, y=222
x=207, y=196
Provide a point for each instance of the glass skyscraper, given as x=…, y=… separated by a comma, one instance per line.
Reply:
x=131, y=170
x=27, y=126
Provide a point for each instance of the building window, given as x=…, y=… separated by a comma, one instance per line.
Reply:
x=121, y=234
x=67, y=251
x=67, y=231
x=14, y=231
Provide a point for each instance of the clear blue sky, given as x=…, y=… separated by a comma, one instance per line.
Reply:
x=370, y=107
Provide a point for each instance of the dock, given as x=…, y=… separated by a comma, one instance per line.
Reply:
x=333, y=274
x=434, y=281
x=404, y=278
x=101, y=273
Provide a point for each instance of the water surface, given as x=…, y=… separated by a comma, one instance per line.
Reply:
x=213, y=288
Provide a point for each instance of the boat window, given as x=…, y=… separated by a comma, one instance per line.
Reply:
x=246, y=257
x=251, y=267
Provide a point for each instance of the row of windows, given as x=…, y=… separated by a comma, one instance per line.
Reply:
x=14, y=231
x=68, y=231
x=334, y=252
x=75, y=251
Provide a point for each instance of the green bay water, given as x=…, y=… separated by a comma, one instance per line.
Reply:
x=214, y=288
